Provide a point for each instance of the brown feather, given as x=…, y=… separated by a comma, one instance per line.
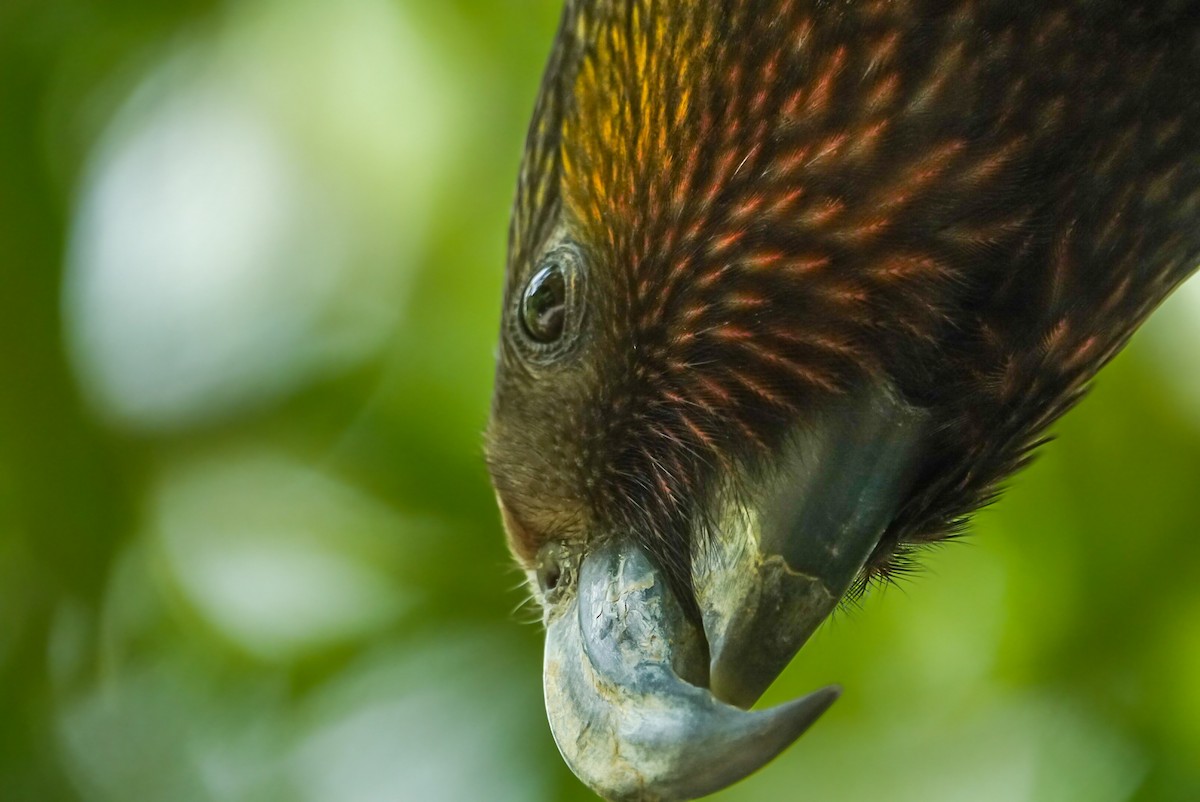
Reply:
x=977, y=201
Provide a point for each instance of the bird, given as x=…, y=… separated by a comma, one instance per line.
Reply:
x=792, y=288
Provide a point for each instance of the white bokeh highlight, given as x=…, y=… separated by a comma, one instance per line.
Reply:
x=280, y=558
x=204, y=261
x=253, y=216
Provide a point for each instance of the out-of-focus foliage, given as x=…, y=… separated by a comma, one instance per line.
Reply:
x=250, y=262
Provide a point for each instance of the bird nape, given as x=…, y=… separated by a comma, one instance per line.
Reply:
x=792, y=286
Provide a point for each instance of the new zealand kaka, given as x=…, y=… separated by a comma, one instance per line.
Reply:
x=792, y=286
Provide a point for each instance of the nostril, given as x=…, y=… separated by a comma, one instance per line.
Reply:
x=549, y=577
x=555, y=571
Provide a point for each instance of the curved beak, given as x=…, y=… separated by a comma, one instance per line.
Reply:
x=646, y=705
x=625, y=719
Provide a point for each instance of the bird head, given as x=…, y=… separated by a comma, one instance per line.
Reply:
x=693, y=456
x=784, y=299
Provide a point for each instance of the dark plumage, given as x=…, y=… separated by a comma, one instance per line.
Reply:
x=777, y=202
x=979, y=200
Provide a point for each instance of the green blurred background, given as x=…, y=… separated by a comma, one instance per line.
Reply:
x=250, y=262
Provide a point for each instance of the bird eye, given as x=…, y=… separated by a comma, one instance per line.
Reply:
x=544, y=304
x=546, y=317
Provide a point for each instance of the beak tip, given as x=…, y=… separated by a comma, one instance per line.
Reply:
x=805, y=711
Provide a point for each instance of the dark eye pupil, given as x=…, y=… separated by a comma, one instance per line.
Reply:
x=543, y=308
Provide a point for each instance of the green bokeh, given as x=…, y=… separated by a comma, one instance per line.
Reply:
x=290, y=583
